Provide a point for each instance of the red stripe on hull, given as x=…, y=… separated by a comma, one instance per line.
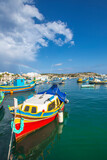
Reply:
x=32, y=126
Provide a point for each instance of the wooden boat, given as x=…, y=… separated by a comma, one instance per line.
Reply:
x=98, y=81
x=18, y=86
x=62, y=82
x=37, y=111
x=87, y=86
x=57, y=80
x=82, y=80
x=1, y=100
x=35, y=143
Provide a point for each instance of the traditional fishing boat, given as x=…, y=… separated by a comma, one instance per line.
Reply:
x=98, y=81
x=19, y=85
x=34, y=144
x=82, y=80
x=1, y=100
x=37, y=111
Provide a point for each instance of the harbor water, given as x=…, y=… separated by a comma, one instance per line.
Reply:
x=82, y=136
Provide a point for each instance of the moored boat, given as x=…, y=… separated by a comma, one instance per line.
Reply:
x=98, y=81
x=19, y=85
x=62, y=82
x=35, y=143
x=37, y=111
x=82, y=80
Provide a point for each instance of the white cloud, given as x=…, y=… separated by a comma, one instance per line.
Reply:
x=21, y=37
x=58, y=64
x=72, y=43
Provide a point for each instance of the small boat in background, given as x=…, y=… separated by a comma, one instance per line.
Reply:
x=98, y=81
x=56, y=80
x=1, y=100
x=19, y=85
x=62, y=82
x=37, y=111
x=82, y=80
x=87, y=86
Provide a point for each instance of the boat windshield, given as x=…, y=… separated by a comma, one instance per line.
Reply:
x=31, y=109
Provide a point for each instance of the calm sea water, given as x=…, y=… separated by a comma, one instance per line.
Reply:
x=83, y=136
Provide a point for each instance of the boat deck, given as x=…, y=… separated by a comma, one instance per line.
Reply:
x=40, y=99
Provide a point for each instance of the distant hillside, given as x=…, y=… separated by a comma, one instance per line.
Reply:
x=82, y=74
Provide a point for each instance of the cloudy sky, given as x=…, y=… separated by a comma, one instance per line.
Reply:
x=60, y=36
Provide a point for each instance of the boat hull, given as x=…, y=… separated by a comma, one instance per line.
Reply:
x=93, y=82
x=32, y=125
x=36, y=142
x=15, y=89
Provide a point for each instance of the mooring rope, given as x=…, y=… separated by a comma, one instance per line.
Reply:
x=10, y=144
x=21, y=126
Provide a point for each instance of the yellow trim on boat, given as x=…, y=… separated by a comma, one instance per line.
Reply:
x=17, y=120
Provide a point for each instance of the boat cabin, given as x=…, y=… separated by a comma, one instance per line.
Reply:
x=41, y=103
x=19, y=82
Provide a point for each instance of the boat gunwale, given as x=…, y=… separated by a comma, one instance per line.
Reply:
x=54, y=111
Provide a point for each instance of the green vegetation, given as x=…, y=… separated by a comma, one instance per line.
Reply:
x=0, y=76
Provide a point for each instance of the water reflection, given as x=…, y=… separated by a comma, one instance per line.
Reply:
x=38, y=144
x=20, y=97
x=2, y=112
x=97, y=86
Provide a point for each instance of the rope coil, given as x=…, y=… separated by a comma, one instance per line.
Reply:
x=21, y=126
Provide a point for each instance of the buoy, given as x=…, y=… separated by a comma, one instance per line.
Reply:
x=66, y=101
x=60, y=116
x=11, y=92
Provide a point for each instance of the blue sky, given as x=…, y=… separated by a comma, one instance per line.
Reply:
x=64, y=36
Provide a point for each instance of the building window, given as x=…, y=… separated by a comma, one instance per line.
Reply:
x=33, y=110
x=26, y=108
x=51, y=106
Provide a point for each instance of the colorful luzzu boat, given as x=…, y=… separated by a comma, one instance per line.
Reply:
x=34, y=144
x=1, y=99
x=98, y=81
x=18, y=86
x=82, y=80
x=37, y=111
